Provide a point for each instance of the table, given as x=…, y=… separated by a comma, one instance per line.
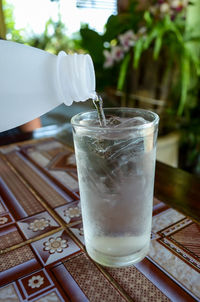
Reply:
x=42, y=253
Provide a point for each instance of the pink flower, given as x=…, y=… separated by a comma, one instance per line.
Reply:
x=109, y=60
x=117, y=53
x=127, y=39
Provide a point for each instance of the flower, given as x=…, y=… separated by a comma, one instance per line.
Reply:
x=153, y=9
x=117, y=53
x=39, y=224
x=127, y=39
x=178, y=5
x=81, y=232
x=171, y=7
x=142, y=31
x=71, y=160
x=73, y=212
x=3, y=220
x=36, y=281
x=55, y=245
x=109, y=59
x=125, y=42
x=164, y=8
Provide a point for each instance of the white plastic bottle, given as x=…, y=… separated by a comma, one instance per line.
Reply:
x=33, y=82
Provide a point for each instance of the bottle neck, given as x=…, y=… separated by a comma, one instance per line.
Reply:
x=76, y=77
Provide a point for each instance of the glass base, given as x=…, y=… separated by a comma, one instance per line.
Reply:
x=114, y=261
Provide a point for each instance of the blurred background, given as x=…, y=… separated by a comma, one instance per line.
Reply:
x=146, y=54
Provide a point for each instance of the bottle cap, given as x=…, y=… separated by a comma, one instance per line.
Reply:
x=76, y=77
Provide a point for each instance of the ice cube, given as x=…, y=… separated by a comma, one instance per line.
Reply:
x=112, y=120
x=131, y=122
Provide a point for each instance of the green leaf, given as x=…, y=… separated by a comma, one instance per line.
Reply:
x=93, y=43
x=123, y=72
x=194, y=59
x=171, y=26
x=115, y=25
x=157, y=47
x=192, y=38
x=138, y=49
x=148, y=18
x=185, y=80
x=151, y=36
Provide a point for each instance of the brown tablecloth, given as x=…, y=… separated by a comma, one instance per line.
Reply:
x=42, y=253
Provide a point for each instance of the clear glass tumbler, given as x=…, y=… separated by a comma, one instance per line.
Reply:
x=116, y=167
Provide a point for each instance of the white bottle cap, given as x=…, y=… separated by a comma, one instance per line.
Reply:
x=76, y=77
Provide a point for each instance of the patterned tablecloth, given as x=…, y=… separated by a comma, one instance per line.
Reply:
x=42, y=254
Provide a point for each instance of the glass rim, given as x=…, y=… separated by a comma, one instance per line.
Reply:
x=75, y=121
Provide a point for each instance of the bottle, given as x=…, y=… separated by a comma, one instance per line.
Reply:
x=33, y=82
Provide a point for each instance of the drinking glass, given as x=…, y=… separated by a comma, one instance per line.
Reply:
x=116, y=166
